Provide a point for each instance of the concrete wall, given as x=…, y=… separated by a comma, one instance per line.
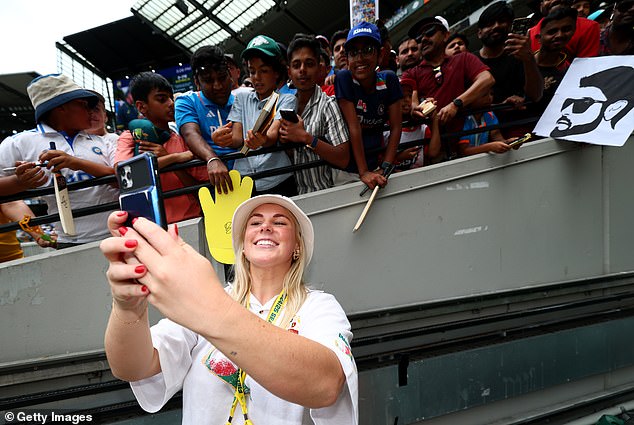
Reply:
x=548, y=212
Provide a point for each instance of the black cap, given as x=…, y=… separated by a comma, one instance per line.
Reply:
x=498, y=11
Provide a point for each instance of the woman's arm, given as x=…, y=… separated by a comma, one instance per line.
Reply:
x=128, y=341
x=290, y=366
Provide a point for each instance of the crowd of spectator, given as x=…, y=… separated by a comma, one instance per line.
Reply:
x=355, y=99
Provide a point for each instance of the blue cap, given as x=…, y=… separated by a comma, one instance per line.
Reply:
x=364, y=29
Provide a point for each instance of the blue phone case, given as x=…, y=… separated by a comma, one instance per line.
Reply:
x=140, y=189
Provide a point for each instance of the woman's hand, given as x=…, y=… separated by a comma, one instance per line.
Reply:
x=123, y=268
x=181, y=283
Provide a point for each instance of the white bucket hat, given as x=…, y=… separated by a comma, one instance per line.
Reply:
x=50, y=91
x=242, y=213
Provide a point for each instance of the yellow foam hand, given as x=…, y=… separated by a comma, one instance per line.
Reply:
x=218, y=215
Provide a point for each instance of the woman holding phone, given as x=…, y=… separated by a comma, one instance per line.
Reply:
x=264, y=350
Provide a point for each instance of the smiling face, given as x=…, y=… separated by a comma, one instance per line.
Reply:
x=432, y=39
x=555, y=35
x=363, y=58
x=270, y=237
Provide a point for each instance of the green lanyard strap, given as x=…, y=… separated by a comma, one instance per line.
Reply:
x=239, y=396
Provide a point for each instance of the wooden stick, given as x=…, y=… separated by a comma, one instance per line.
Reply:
x=366, y=209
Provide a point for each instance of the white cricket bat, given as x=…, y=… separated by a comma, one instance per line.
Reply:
x=366, y=209
x=63, y=202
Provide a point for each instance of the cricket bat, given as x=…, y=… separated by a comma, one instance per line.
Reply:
x=366, y=209
x=265, y=119
x=63, y=201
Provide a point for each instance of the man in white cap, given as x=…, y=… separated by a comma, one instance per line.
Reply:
x=453, y=81
x=62, y=113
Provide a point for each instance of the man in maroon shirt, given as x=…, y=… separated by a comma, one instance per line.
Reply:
x=584, y=42
x=453, y=81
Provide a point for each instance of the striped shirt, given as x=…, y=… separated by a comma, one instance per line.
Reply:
x=322, y=119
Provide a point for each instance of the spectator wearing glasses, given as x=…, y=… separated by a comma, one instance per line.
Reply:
x=584, y=42
x=368, y=99
x=201, y=116
x=618, y=36
x=454, y=82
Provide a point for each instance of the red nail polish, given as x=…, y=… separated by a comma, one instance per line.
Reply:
x=139, y=269
x=123, y=230
x=176, y=228
x=131, y=243
x=144, y=288
x=134, y=220
x=121, y=213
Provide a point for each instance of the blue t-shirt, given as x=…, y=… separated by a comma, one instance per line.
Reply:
x=372, y=109
x=195, y=107
x=470, y=123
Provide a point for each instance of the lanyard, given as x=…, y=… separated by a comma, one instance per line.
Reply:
x=239, y=396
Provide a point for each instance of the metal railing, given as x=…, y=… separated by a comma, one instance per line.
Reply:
x=111, y=179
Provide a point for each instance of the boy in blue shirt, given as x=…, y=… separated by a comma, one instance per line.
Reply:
x=368, y=99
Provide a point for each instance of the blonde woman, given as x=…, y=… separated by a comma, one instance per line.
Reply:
x=265, y=350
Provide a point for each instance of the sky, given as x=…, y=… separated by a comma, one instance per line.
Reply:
x=30, y=29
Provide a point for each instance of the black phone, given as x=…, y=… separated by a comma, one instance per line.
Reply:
x=521, y=26
x=289, y=115
x=140, y=189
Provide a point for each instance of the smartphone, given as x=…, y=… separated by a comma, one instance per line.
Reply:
x=140, y=189
x=521, y=26
x=289, y=115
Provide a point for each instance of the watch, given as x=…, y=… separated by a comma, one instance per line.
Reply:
x=458, y=102
x=313, y=144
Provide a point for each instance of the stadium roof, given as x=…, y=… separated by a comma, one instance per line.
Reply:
x=16, y=111
x=162, y=33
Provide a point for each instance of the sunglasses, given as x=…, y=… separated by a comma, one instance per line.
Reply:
x=429, y=32
x=580, y=106
x=438, y=75
x=365, y=52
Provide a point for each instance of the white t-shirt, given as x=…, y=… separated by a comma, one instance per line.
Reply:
x=185, y=364
x=28, y=145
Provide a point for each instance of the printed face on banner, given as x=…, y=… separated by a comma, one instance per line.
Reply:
x=594, y=103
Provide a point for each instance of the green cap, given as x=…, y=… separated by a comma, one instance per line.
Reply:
x=263, y=44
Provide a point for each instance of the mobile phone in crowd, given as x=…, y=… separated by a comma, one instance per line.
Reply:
x=140, y=189
x=521, y=26
x=289, y=115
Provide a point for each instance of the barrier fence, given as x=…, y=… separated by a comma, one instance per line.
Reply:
x=81, y=212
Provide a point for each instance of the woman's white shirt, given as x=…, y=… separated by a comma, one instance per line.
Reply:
x=207, y=398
